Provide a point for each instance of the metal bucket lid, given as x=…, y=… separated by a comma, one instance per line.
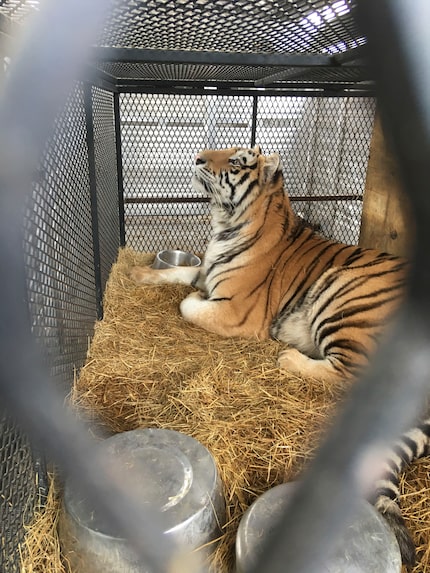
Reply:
x=368, y=544
x=170, y=471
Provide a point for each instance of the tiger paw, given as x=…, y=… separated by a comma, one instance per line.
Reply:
x=301, y=365
x=292, y=360
x=191, y=306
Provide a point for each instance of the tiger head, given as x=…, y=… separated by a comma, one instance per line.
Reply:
x=233, y=177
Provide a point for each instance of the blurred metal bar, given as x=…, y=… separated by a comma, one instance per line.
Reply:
x=50, y=60
x=390, y=396
x=381, y=405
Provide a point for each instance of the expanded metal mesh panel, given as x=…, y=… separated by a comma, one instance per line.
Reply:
x=160, y=136
x=234, y=26
x=324, y=145
x=106, y=179
x=58, y=246
x=225, y=25
x=239, y=26
x=18, y=492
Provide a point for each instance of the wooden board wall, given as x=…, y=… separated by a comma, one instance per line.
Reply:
x=386, y=224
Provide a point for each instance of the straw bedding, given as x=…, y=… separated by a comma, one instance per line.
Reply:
x=147, y=367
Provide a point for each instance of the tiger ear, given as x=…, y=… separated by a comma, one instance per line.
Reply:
x=272, y=163
x=257, y=149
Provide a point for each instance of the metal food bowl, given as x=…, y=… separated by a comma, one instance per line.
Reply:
x=175, y=258
x=170, y=472
x=368, y=544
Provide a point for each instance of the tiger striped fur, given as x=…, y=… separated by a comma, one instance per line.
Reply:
x=267, y=274
x=413, y=445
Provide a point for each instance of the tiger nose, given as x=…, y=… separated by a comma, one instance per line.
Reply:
x=199, y=159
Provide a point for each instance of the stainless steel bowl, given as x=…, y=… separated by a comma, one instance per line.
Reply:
x=171, y=472
x=368, y=544
x=175, y=258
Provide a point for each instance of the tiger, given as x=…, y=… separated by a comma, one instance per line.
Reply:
x=266, y=273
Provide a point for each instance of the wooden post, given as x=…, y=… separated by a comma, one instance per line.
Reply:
x=386, y=222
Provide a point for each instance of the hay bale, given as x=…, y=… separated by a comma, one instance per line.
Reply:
x=147, y=367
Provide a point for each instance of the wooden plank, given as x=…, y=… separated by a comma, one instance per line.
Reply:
x=386, y=222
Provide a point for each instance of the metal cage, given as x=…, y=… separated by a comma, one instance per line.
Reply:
x=163, y=79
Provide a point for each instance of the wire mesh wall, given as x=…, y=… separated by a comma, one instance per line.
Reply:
x=58, y=246
x=323, y=142
x=19, y=491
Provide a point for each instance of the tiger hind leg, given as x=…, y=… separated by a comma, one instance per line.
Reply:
x=299, y=364
x=304, y=357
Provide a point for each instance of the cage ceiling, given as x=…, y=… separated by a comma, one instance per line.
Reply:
x=166, y=45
